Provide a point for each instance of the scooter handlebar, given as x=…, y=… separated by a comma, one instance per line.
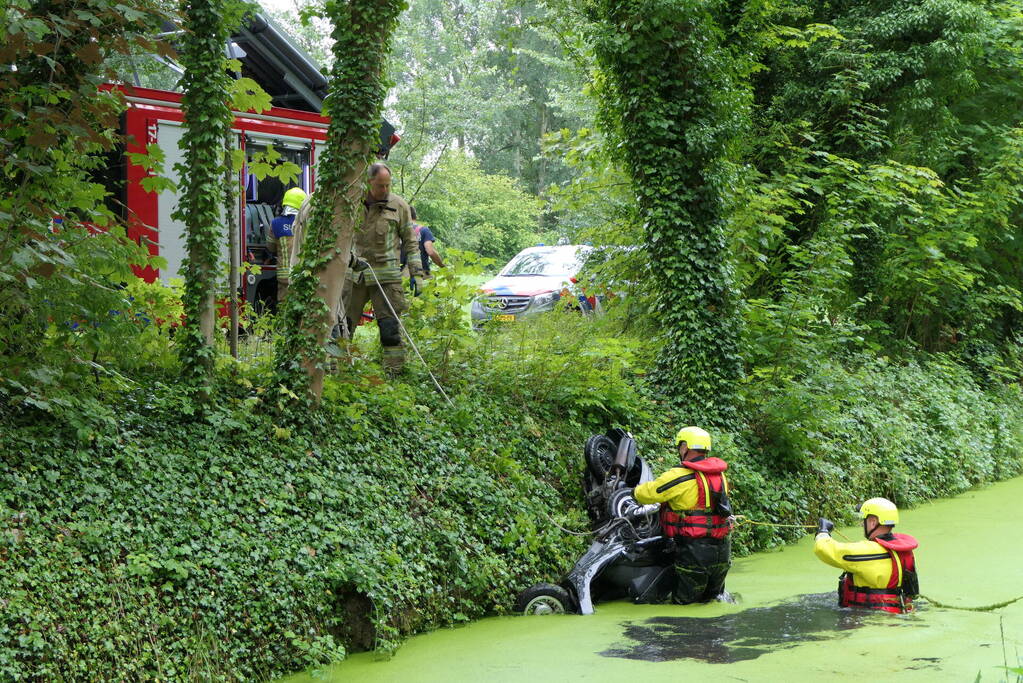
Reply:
x=642, y=510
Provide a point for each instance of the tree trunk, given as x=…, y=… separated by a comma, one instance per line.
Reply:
x=230, y=196
x=208, y=122
x=671, y=89
x=332, y=277
x=362, y=33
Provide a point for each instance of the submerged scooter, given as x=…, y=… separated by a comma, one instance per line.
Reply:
x=626, y=558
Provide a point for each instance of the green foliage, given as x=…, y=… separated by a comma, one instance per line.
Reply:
x=152, y=161
x=818, y=446
x=670, y=98
x=859, y=184
x=189, y=542
x=436, y=318
x=470, y=210
x=597, y=205
x=246, y=94
x=881, y=182
x=488, y=77
x=839, y=436
x=581, y=366
x=150, y=535
x=59, y=284
x=268, y=163
x=81, y=307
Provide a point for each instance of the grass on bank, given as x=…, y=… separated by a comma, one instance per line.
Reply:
x=144, y=535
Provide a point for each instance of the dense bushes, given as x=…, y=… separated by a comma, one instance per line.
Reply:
x=467, y=208
x=152, y=537
x=219, y=544
x=908, y=432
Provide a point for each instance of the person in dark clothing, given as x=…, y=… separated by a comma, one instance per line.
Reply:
x=427, y=250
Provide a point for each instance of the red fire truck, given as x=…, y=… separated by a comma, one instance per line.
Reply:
x=296, y=131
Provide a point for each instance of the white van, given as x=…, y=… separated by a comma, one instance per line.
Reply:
x=532, y=282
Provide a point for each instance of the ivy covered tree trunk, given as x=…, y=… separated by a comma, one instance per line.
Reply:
x=669, y=95
x=208, y=123
x=362, y=33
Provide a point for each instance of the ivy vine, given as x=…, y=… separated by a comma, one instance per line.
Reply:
x=205, y=106
x=668, y=93
x=361, y=31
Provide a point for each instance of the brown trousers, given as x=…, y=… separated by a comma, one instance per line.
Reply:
x=354, y=297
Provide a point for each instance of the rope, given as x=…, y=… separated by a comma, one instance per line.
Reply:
x=743, y=519
x=409, y=337
x=569, y=531
x=739, y=520
x=983, y=608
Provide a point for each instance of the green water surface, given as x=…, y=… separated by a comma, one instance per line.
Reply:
x=786, y=626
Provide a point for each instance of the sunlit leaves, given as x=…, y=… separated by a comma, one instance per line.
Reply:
x=269, y=162
x=246, y=95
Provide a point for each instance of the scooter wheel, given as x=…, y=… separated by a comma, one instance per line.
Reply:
x=621, y=502
x=544, y=598
x=600, y=453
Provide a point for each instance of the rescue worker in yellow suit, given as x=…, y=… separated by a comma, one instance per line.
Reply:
x=696, y=518
x=879, y=572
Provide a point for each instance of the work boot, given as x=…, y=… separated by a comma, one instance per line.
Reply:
x=393, y=360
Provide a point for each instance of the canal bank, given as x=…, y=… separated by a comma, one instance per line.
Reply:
x=786, y=626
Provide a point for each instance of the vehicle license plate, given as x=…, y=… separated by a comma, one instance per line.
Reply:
x=505, y=317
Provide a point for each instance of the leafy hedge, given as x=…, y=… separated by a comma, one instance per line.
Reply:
x=155, y=539
x=909, y=432
x=221, y=545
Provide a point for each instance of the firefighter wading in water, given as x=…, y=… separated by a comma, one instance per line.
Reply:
x=696, y=518
x=880, y=572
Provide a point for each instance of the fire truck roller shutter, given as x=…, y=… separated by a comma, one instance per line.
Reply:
x=170, y=233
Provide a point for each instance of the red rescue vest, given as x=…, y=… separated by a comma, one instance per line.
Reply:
x=897, y=596
x=703, y=521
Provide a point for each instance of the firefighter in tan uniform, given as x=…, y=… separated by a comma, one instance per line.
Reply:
x=386, y=228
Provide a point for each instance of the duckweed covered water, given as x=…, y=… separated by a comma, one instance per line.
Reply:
x=786, y=627
x=742, y=635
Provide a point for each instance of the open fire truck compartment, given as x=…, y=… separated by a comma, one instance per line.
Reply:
x=294, y=126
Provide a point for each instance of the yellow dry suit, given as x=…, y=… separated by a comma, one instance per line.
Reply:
x=879, y=574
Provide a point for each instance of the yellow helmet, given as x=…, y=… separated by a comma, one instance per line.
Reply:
x=695, y=438
x=882, y=508
x=294, y=198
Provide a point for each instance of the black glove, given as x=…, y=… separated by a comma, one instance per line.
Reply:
x=824, y=526
x=357, y=263
x=414, y=285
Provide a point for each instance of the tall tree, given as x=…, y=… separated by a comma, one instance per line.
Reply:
x=448, y=93
x=898, y=128
x=669, y=95
x=208, y=117
x=483, y=77
x=361, y=32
